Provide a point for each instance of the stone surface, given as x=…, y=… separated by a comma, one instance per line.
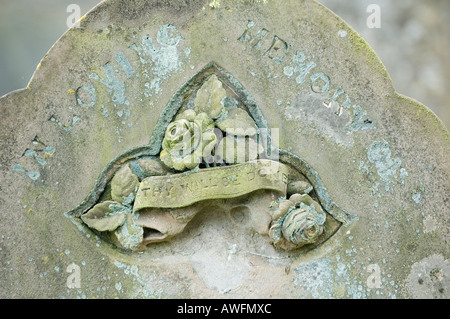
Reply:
x=111, y=86
x=411, y=42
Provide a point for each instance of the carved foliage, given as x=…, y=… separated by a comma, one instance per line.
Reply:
x=210, y=132
x=297, y=221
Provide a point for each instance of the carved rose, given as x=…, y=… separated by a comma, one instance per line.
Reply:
x=296, y=222
x=188, y=141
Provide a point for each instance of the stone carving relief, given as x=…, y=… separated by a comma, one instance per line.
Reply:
x=211, y=148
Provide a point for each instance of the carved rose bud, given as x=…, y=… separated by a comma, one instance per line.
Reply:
x=296, y=222
x=188, y=140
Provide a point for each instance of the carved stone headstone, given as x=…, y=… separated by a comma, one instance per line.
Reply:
x=220, y=149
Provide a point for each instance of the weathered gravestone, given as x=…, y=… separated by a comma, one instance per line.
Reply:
x=220, y=149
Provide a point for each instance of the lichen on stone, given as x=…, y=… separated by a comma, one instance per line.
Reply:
x=129, y=235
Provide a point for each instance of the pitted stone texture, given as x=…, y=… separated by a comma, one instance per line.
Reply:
x=103, y=89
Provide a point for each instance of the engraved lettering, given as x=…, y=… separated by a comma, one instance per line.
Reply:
x=39, y=154
x=340, y=97
x=152, y=197
x=225, y=181
x=298, y=65
x=85, y=96
x=66, y=127
x=254, y=39
x=320, y=82
x=113, y=83
x=299, y=68
x=278, y=50
x=284, y=178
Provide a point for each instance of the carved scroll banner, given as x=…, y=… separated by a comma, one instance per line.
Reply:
x=182, y=190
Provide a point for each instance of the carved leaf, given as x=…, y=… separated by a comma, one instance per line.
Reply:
x=103, y=216
x=283, y=208
x=123, y=184
x=238, y=149
x=186, y=115
x=299, y=187
x=209, y=98
x=226, y=150
x=151, y=167
x=237, y=122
